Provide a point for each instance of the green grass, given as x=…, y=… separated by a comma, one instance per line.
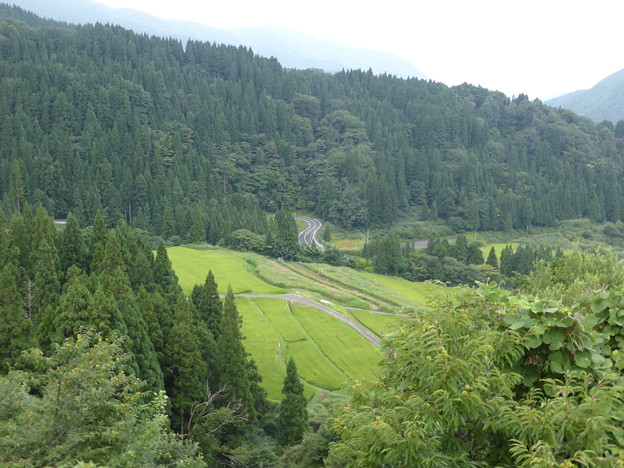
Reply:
x=280, y=316
x=420, y=292
x=315, y=367
x=191, y=267
x=389, y=300
x=346, y=348
x=262, y=341
x=327, y=351
x=381, y=325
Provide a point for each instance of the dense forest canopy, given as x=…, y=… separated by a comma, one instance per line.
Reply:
x=196, y=139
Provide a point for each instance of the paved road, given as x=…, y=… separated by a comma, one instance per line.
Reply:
x=292, y=297
x=308, y=235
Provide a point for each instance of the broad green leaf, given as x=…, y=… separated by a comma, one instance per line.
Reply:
x=532, y=341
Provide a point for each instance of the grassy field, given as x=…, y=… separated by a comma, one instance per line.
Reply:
x=342, y=345
x=278, y=312
x=327, y=352
x=381, y=325
x=366, y=284
x=348, y=244
x=191, y=267
x=262, y=341
x=418, y=292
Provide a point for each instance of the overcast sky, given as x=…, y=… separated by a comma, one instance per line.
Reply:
x=542, y=48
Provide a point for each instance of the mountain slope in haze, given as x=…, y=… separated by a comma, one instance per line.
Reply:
x=293, y=49
x=605, y=101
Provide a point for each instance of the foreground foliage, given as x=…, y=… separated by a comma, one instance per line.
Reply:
x=79, y=405
x=452, y=392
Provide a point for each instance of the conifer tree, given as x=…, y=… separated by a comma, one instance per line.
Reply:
x=73, y=310
x=233, y=370
x=474, y=256
x=104, y=317
x=293, y=415
x=492, y=260
x=99, y=239
x=43, y=229
x=72, y=250
x=14, y=327
x=185, y=376
x=260, y=395
x=208, y=349
x=146, y=307
x=164, y=276
x=118, y=285
x=209, y=305
x=46, y=286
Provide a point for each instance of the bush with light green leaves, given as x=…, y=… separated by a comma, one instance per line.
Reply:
x=491, y=380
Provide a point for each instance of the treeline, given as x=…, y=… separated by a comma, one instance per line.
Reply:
x=92, y=321
x=460, y=262
x=164, y=135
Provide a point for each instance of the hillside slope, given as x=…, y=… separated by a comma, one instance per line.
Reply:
x=605, y=101
x=291, y=48
x=201, y=141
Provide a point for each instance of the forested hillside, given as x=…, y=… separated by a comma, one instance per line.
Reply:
x=601, y=102
x=198, y=140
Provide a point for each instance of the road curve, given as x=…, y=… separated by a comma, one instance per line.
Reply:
x=308, y=235
x=292, y=297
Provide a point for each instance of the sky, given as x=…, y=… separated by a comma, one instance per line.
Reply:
x=542, y=48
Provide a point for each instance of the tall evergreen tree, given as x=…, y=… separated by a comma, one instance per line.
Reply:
x=46, y=285
x=185, y=375
x=15, y=329
x=293, y=415
x=492, y=260
x=72, y=250
x=164, y=276
x=233, y=369
x=209, y=305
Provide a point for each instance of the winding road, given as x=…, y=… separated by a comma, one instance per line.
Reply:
x=308, y=235
x=292, y=297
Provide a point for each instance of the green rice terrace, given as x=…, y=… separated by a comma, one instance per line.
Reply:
x=330, y=319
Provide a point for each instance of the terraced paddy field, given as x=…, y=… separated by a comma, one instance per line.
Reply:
x=420, y=293
x=380, y=324
x=191, y=266
x=328, y=351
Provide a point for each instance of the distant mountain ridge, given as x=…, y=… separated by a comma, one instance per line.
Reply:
x=605, y=101
x=291, y=48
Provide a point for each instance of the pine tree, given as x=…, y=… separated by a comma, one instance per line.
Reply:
x=232, y=357
x=293, y=415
